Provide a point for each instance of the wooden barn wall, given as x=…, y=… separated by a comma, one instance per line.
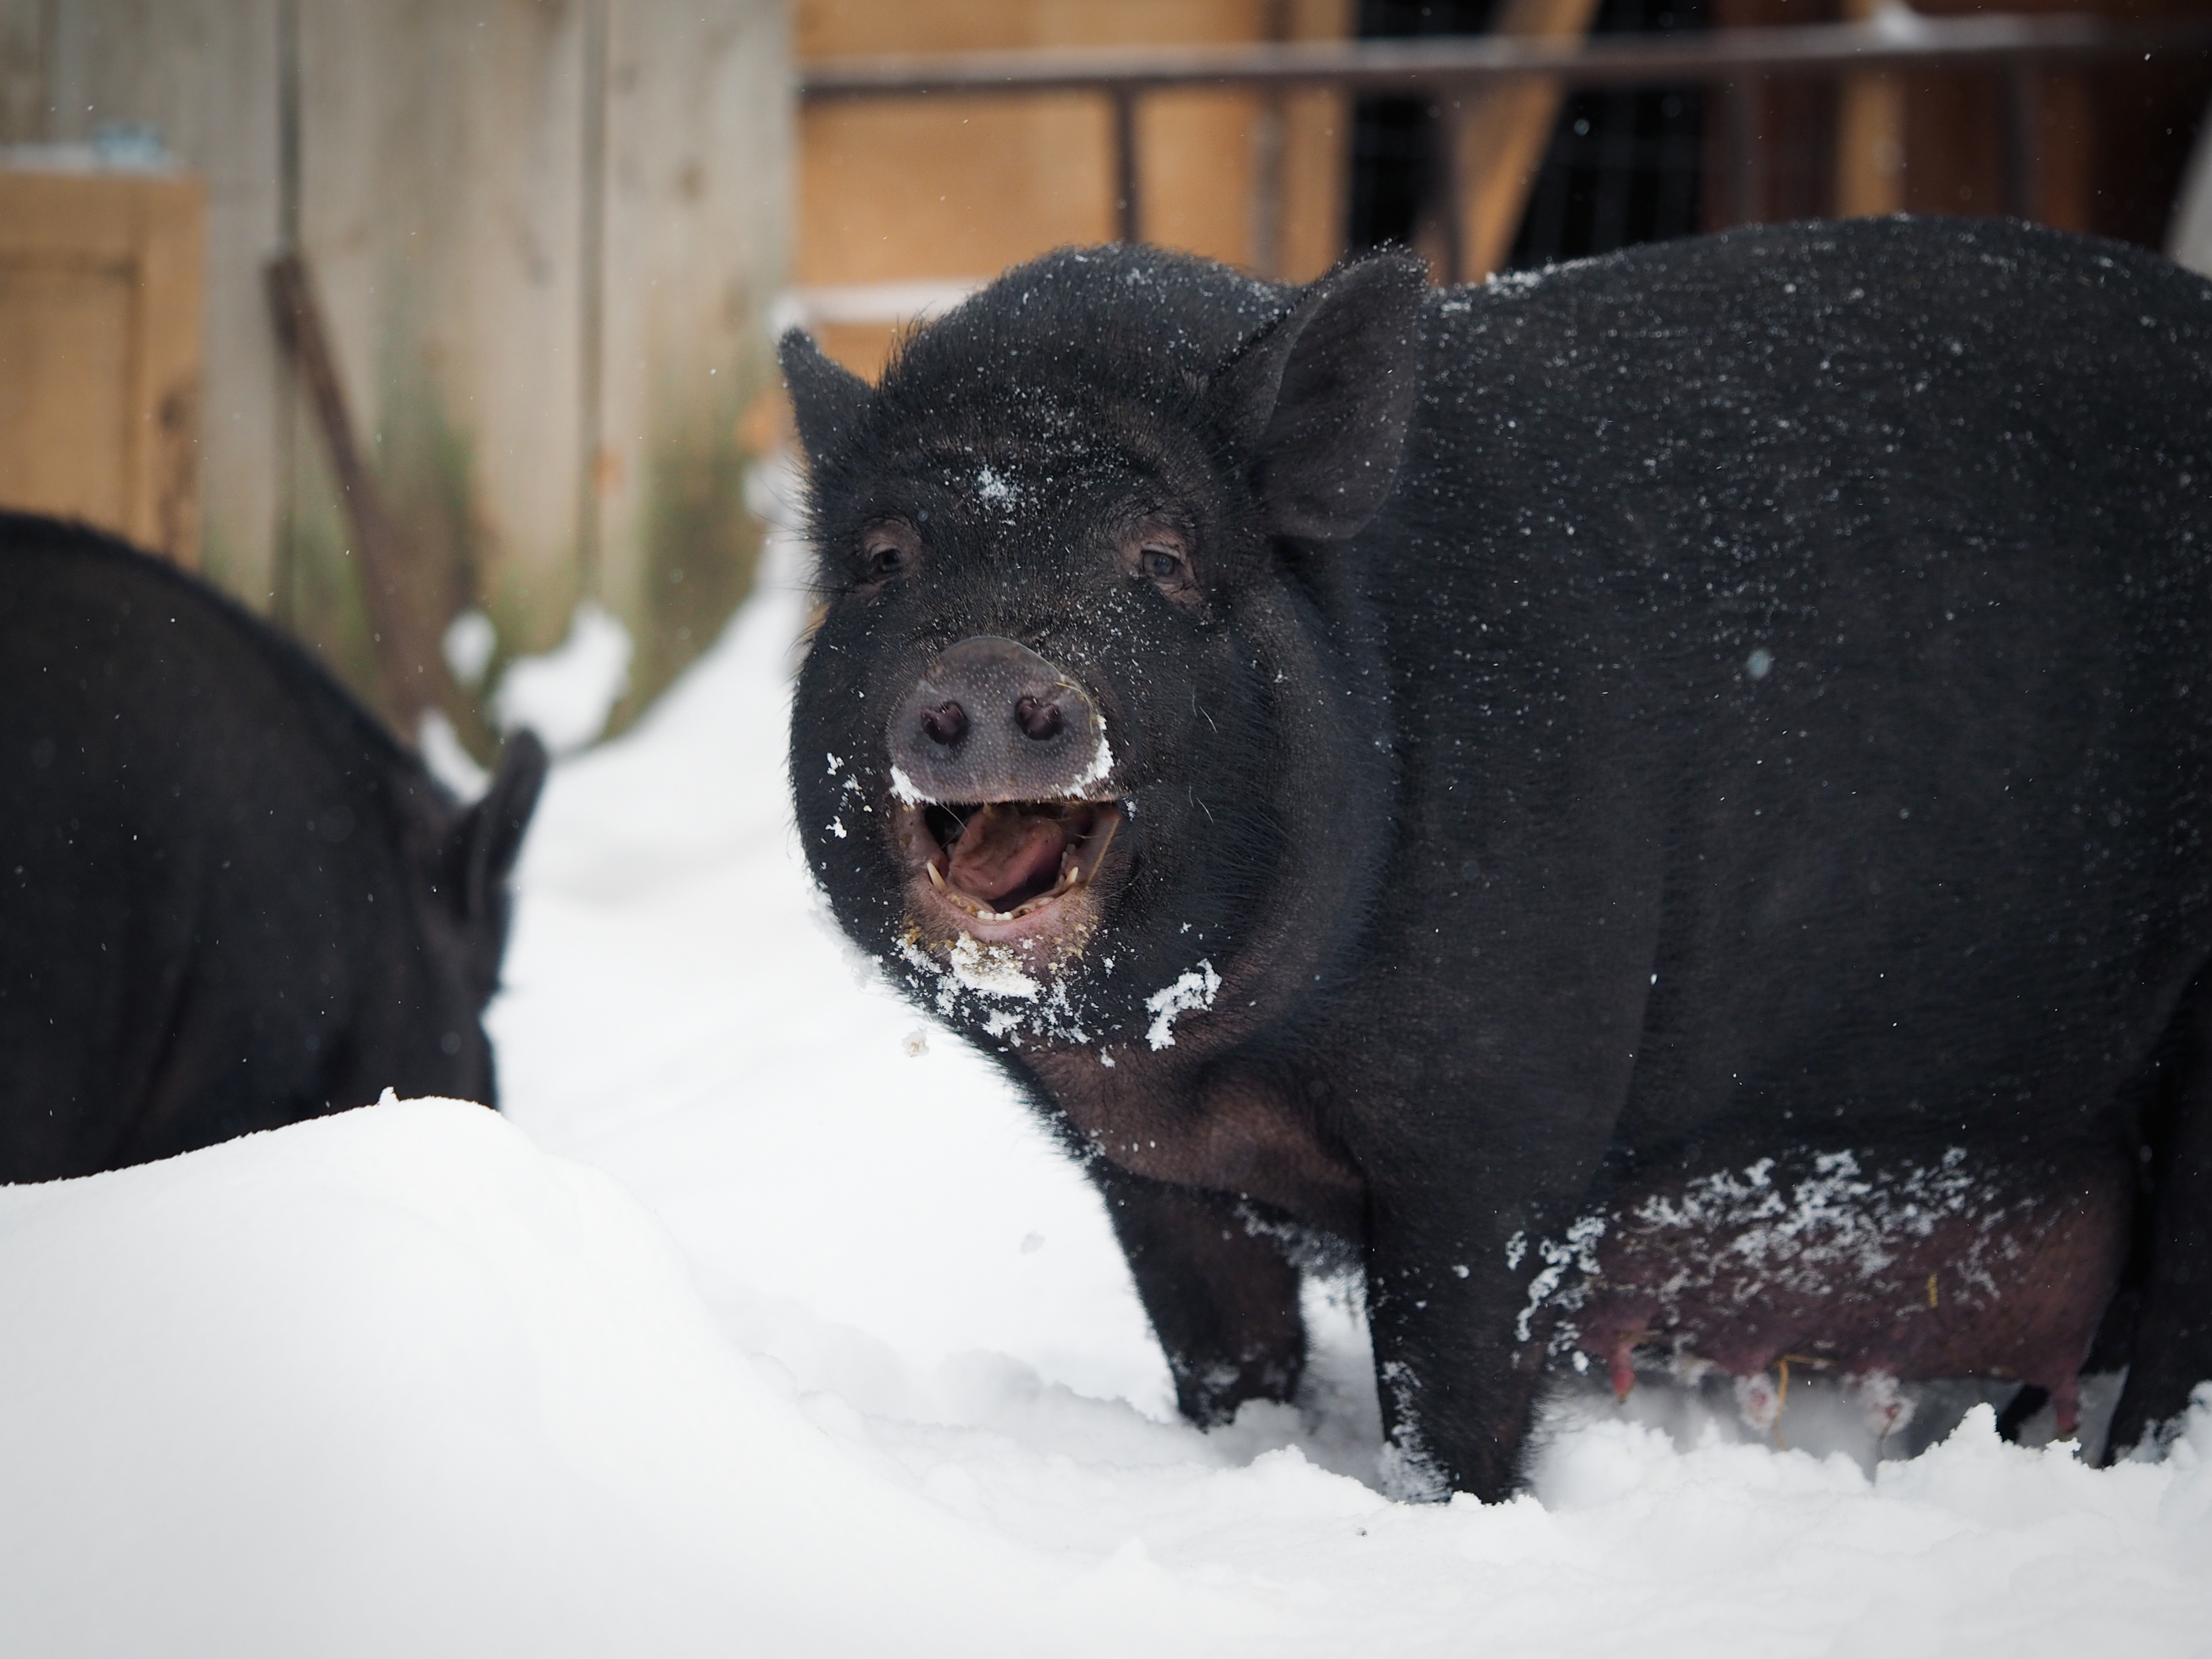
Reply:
x=553, y=399
x=2104, y=144
x=896, y=190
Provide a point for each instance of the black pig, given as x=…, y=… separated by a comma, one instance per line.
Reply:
x=1663, y=802
x=228, y=900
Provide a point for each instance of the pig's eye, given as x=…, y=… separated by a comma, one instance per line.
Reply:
x=1159, y=555
x=1165, y=563
x=886, y=550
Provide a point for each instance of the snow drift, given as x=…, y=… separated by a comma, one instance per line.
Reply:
x=766, y=1322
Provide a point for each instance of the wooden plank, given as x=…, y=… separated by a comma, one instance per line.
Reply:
x=443, y=171
x=1955, y=141
x=22, y=71
x=1497, y=138
x=962, y=188
x=1316, y=168
x=1408, y=68
x=167, y=392
x=65, y=383
x=1869, y=135
x=2059, y=119
x=407, y=652
x=441, y=147
x=101, y=351
x=699, y=119
x=200, y=75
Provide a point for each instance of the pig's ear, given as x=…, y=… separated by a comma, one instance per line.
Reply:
x=1319, y=403
x=827, y=398
x=481, y=847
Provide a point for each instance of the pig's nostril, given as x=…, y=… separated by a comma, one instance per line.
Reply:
x=1039, y=720
x=945, y=724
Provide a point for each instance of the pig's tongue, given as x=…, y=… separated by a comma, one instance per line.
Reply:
x=1005, y=855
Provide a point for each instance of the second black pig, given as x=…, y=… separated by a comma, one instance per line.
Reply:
x=228, y=900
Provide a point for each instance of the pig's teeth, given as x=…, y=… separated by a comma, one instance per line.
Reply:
x=936, y=875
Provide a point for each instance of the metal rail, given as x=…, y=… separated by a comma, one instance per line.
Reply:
x=1898, y=41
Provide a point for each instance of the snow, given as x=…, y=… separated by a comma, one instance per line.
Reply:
x=468, y=643
x=1192, y=992
x=1101, y=763
x=448, y=758
x=566, y=694
x=764, y=1322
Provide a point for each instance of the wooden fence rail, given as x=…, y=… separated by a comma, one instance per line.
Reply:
x=1452, y=69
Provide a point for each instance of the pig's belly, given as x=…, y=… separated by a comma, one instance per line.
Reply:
x=1839, y=1260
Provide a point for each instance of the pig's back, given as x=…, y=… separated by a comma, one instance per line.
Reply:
x=200, y=839
x=1830, y=603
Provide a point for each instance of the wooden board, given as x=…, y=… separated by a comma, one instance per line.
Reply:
x=1500, y=136
x=546, y=234
x=901, y=190
x=100, y=279
x=199, y=74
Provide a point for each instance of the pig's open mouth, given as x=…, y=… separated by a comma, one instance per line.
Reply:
x=1003, y=861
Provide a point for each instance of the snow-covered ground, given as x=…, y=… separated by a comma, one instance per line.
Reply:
x=765, y=1322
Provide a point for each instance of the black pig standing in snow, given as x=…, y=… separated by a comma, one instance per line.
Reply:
x=228, y=900
x=1664, y=802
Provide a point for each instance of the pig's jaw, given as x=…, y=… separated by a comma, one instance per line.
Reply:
x=1005, y=873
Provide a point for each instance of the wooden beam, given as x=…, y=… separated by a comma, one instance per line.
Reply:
x=408, y=657
x=1869, y=135
x=101, y=351
x=1127, y=207
x=1435, y=65
x=1497, y=136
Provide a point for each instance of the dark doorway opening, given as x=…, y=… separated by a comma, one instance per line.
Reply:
x=1620, y=167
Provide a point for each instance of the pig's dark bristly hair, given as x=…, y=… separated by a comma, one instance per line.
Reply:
x=482, y=839
x=345, y=720
x=1107, y=327
x=1128, y=331
x=1137, y=324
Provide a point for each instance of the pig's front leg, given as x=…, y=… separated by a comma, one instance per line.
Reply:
x=2170, y=1351
x=1460, y=1338
x=1474, y=1246
x=1223, y=1299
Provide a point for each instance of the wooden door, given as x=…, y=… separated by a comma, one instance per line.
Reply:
x=99, y=352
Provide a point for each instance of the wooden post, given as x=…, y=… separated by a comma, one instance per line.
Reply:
x=1869, y=136
x=408, y=657
x=1746, y=182
x=1456, y=116
x=591, y=295
x=2021, y=187
x=1267, y=259
x=1500, y=139
x=101, y=352
x=2056, y=145
x=1125, y=218
x=1316, y=155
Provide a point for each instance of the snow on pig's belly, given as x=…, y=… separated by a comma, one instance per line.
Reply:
x=1901, y=1270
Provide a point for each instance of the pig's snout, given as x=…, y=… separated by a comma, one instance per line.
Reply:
x=991, y=720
